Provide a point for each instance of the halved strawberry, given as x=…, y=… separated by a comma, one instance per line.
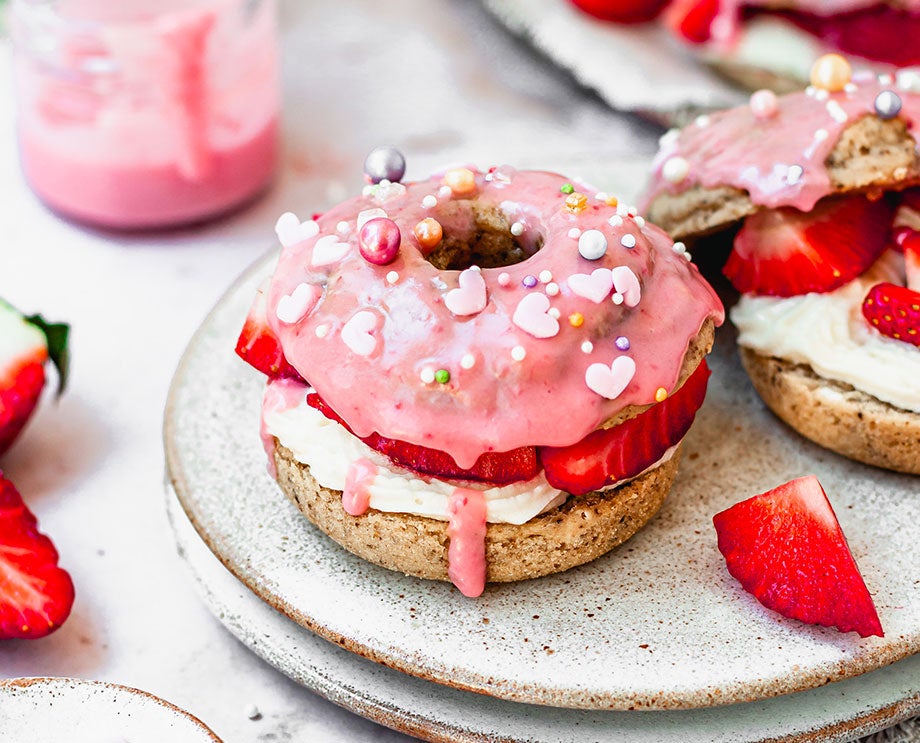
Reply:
x=621, y=11
x=786, y=548
x=609, y=455
x=894, y=311
x=258, y=346
x=911, y=247
x=498, y=468
x=26, y=343
x=786, y=252
x=35, y=594
x=692, y=19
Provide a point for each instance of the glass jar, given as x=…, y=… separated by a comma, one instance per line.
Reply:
x=139, y=114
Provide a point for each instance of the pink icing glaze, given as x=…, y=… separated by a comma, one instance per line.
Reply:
x=504, y=400
x=466, y=554
x=736, y=148
x=280, y=395
x=356, y=496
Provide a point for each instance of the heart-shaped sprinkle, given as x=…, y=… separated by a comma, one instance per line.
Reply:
x=367, y=215
x=296, y=305
x=291, y=230
x=595, y=286
x=532, y=316
x=328, y=250
x=470, y=297
x=610, y=381
x=627, y=284
x=358, y=333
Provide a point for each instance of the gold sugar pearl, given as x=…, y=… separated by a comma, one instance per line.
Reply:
x=661, y=394
x=576, y=202
x=428, y=232
x=461, y=181
x=576, y=319
x=831, y=72
x=612, y=201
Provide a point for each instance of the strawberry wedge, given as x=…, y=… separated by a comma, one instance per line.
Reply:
x=785, y=252
x=786, y=548
x=258, y=346
x=36, y=596
x=26, y=343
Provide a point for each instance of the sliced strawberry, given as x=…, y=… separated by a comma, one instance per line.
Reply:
x=26, y=343
x=786, y=252
x=911, y=247
x=498, y=468
x=894, y=311
x=610, y=455
x=35, y=594
x=622, y=11
x=258, y=346
x=692, y=19
x=911, y=199
x=786, y=548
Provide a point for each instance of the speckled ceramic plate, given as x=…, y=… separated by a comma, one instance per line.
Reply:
x=657, y=624
x=47, y=710
x=837, y=712
x=632, y=67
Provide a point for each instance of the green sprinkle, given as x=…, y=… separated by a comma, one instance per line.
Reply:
x=442, y=376
x=567, y=188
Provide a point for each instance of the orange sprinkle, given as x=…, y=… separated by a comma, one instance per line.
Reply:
x=661, y=394
x=428, y=232
x=576, y=202
x=576, y=319
x=462, y=181
x=612, y=201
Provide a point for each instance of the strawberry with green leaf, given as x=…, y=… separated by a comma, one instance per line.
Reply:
x=26, y=345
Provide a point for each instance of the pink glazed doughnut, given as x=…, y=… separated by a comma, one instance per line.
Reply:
x=517, y=312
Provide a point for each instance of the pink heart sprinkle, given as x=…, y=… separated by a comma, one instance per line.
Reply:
x=531, y=316
x=627, y=284
x=358, y=333
x=610, y=381
x=328, y=250
x=595, y=286
x=470, y=297
x=295, y=306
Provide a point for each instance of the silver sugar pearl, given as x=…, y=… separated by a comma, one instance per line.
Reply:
x=385, y=164
x=887, y=104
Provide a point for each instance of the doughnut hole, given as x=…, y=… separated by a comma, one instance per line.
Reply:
x=477, y=234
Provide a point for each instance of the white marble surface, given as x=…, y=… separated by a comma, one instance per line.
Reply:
x=437, y=78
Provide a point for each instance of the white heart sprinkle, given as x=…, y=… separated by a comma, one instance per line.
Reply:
x=610, y=381
x=627, y=284
x=328, y=250
x=470, y=297
x=295, y=306
x=532, y=316
x=358, y=333
x=291, y=230
x=595, y=286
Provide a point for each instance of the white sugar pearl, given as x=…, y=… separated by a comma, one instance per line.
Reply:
x=615, y=221
x=321, y=331
x=574, y=233
x=587, y=347
x=427, y=375
x=343, y=228
x=430, y=202
x=675, y=169
x=518, y=353
x=468, y=361
x=640, y=222
x=552, y=289
x=592, y=245
x=546, y=276
x=554, y=312
x=517, y=229
x=392, y=277
x=504, y=279
x=628, y=241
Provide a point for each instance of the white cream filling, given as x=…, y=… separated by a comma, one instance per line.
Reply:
x=829, y=333
x=329, y=451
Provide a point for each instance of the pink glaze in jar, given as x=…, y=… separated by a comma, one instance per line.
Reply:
x=148, y=113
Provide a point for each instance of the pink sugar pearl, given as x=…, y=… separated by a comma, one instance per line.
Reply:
x=763, y=104
x=379, y=241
